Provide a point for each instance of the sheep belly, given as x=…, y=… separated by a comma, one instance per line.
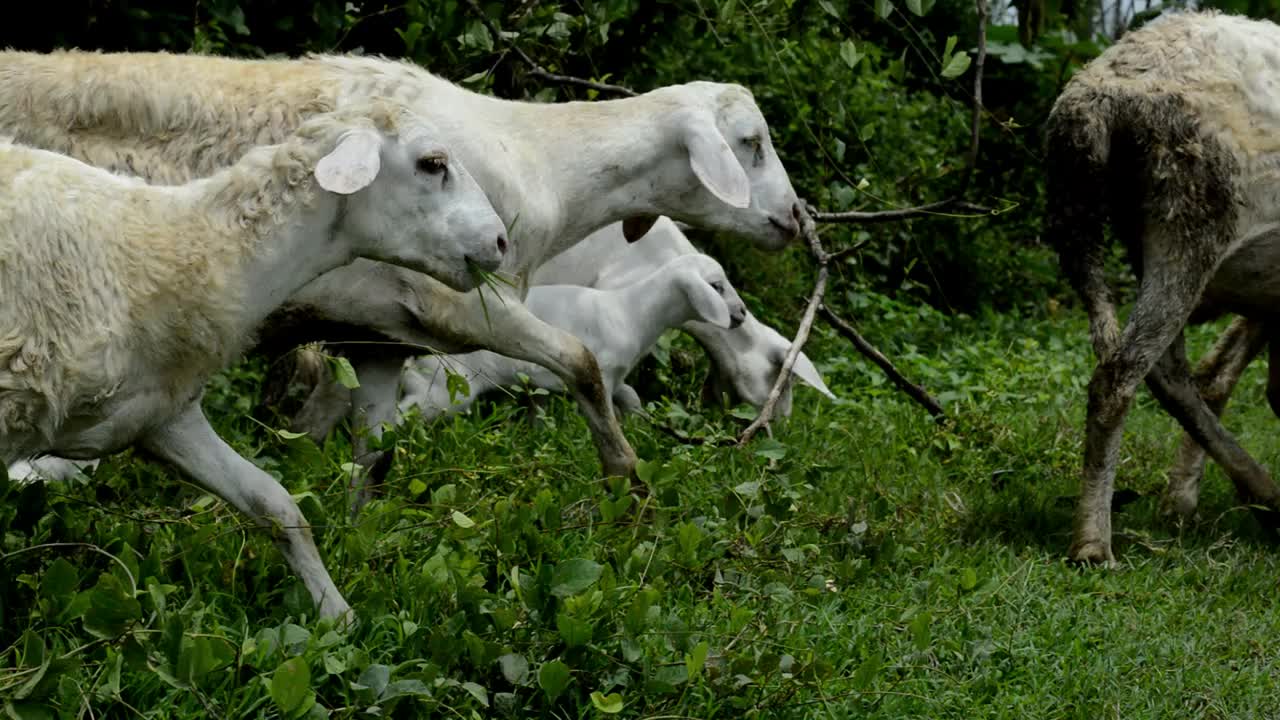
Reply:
x=1247, y=282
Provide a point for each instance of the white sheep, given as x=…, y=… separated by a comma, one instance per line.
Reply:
x=699, y=152
x=1173, y=134
x=746, y=359
x=619, y=326
x=121, y=298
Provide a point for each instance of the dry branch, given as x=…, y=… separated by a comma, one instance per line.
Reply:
x=802, y=334
x=916, y=392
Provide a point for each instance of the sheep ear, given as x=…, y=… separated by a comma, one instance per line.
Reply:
x=714, y=163
x=708, y=304
x=805, y=370
x=352, y=165
x=634, y=228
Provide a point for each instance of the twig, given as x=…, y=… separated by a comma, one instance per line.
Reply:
x=978, y=63
x=916, y=392
x=802, y=334
x=536, y=70
x=971, y=157
x=879, y=216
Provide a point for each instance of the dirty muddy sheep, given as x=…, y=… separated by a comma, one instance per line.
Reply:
x=1173, y=136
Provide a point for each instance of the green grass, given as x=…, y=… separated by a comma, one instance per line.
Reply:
x=863, y=563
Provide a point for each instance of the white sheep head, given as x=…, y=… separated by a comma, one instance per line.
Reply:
x=736, y=182
x=410, y=203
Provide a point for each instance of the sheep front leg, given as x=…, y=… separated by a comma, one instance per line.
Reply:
x=1171, y=384
x=189, y=443
x=1216, y=376
x=505, y=326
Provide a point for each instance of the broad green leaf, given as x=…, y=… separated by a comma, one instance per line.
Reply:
x=771, y=449
x=610, y=704
x=406, y=687
x=375, y=677
x=344, y=373
x=462, y=520
x=968, y=579
x=334, y=665
x=553, y=678
x=515, y=668
x=695, y=659
x=478, y=692
x=196, y=659
x=828, y=8
x=867, y=671
x=914, y=7
x=290, y=684
x=574, y=576
x=58, y=585
x=950, y=48
x=849, y=53
x=883, y=8
x=111, y=608
x=574, y=631
x=957, y=65
x=919, y=627
x=289, y=434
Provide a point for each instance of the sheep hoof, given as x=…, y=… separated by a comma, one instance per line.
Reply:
x=1092, y=552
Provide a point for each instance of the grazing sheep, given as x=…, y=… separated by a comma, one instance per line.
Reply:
x=122, y=298
x=619, y=326
x=745, y=360
x=1174, y=134
x=699, y=152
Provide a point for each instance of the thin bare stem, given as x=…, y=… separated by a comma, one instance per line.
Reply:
x=802, y=335
x=916, y=392
x=536, y=70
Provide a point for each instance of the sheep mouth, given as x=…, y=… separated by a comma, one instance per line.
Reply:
x=789, y=230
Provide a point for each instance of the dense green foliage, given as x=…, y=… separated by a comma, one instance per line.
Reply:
x=864, y=561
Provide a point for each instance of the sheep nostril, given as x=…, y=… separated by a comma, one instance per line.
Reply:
x=502, y=245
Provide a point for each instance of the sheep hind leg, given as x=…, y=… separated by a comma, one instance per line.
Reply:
x=1216, y=377
x=189, y=443
x=1168, y=292
x=1171, y=384
x=374, y=404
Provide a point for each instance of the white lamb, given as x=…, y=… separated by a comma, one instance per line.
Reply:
x=699, y=152
x=746, y=359
x=121, y=298
x=619, y=326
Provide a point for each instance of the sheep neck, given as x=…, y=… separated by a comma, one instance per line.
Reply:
x=651, y=305
x=267, y=263
x=556, y=172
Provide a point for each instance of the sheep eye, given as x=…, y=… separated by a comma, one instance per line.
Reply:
x=718, y=286
x=432, y=165
x=757, y=146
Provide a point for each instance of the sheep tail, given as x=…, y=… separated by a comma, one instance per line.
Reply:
x=1079, y=143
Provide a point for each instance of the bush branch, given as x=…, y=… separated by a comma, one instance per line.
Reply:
x=802, y=334
x=916, y=392
x=536, y=70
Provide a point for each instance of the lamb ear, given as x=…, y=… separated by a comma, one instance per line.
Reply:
x=707, y=303
x=805, y=370
x=634, y=228
x=352, y=165
x=714, y=163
